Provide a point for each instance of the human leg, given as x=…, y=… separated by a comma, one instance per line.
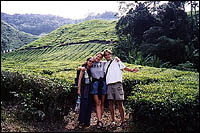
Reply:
x=121, y=109
x=98, y=107
x=112, y=111
x=102, y=104
x=104, y=92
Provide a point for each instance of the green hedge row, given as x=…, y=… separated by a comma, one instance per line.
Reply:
x=165, y=100
x=53, y=98
x=161, y=99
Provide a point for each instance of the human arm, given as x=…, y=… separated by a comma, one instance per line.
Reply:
x=131, y=70
x=117, y=59
x=80, y=68
x=79, y=81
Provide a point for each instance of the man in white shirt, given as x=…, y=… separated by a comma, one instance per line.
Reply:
x=113, y=72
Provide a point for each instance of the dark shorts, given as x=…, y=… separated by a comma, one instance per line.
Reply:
x=95, y=86
x=115, y=91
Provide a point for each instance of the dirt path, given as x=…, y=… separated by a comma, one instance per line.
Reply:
x=69, y=124
x=72, y=123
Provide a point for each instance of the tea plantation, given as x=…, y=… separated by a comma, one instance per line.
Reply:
x=159, y=99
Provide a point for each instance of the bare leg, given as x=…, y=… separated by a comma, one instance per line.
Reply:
x=102, y=104
x=112, y=111
x=121, y=109
x=98, y=107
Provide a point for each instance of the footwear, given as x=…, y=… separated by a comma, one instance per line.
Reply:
x=99, y=124
x=112, y=124
x=122, y=124
x=81, y=125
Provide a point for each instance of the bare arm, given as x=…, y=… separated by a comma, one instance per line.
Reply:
x=79, y=81
x=131, y=70
x=80, y=68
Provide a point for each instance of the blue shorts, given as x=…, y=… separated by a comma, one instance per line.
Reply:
x=95, y=86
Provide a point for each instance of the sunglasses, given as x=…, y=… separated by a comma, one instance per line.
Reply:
x=91, y=61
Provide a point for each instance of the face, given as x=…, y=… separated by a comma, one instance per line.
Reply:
x=90, y=62
x=98, y=57
x=107, y=56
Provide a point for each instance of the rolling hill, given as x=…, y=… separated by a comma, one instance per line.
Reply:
x=35, y=24
x=99, y=31
x=13, y=39
x=38, y=24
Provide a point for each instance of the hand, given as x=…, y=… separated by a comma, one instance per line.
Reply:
x=117, y=59
x=134, y=70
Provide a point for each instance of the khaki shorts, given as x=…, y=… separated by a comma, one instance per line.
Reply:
x=115, y=91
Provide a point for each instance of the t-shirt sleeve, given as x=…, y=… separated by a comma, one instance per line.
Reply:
x=121, y=65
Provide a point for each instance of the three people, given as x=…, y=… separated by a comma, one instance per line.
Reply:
x=98, y=86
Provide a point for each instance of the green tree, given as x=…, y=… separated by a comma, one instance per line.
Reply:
x=163, y=31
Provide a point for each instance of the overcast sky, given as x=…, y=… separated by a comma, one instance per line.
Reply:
x=66, y=9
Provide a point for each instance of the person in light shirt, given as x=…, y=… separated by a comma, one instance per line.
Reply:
x=113, y=71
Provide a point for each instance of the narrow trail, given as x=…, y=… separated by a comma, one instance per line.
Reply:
x=68, y=124
x=72, y=123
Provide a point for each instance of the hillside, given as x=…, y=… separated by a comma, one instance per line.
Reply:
x=12, y=38
x=39, y=79
x=38, y=24
x=99, y=31
x=35, y=24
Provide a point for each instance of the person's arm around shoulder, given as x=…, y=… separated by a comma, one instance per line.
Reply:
x=117, y=59
x=82, y=70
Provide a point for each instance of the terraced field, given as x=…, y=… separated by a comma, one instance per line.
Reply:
x=170, y=95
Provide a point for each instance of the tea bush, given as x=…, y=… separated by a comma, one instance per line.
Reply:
x=51, y=97
x=166, y=100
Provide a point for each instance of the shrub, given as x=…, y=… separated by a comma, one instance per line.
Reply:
x=52, y=98
x=168, y=102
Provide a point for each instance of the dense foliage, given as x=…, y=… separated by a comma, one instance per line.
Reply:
x=164, y=31
x=165, y=99
x=12, y=38
x=40, y=98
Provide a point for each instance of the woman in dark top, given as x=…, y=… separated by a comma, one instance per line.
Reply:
x=84, y=88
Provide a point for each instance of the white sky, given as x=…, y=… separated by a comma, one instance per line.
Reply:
x=66, y=9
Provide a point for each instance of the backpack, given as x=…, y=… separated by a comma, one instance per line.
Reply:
x=77, y=77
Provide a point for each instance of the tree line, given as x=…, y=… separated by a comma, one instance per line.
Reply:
x=159, y=35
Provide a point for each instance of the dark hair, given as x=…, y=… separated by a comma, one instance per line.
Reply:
x=85, y=64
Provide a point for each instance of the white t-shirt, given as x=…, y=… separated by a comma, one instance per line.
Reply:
x=114, y=73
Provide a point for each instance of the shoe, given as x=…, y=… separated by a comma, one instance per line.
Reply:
x=81, y=125
x=122, y=124
x=112, y=124
x=99, y=124
x=87, y=126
